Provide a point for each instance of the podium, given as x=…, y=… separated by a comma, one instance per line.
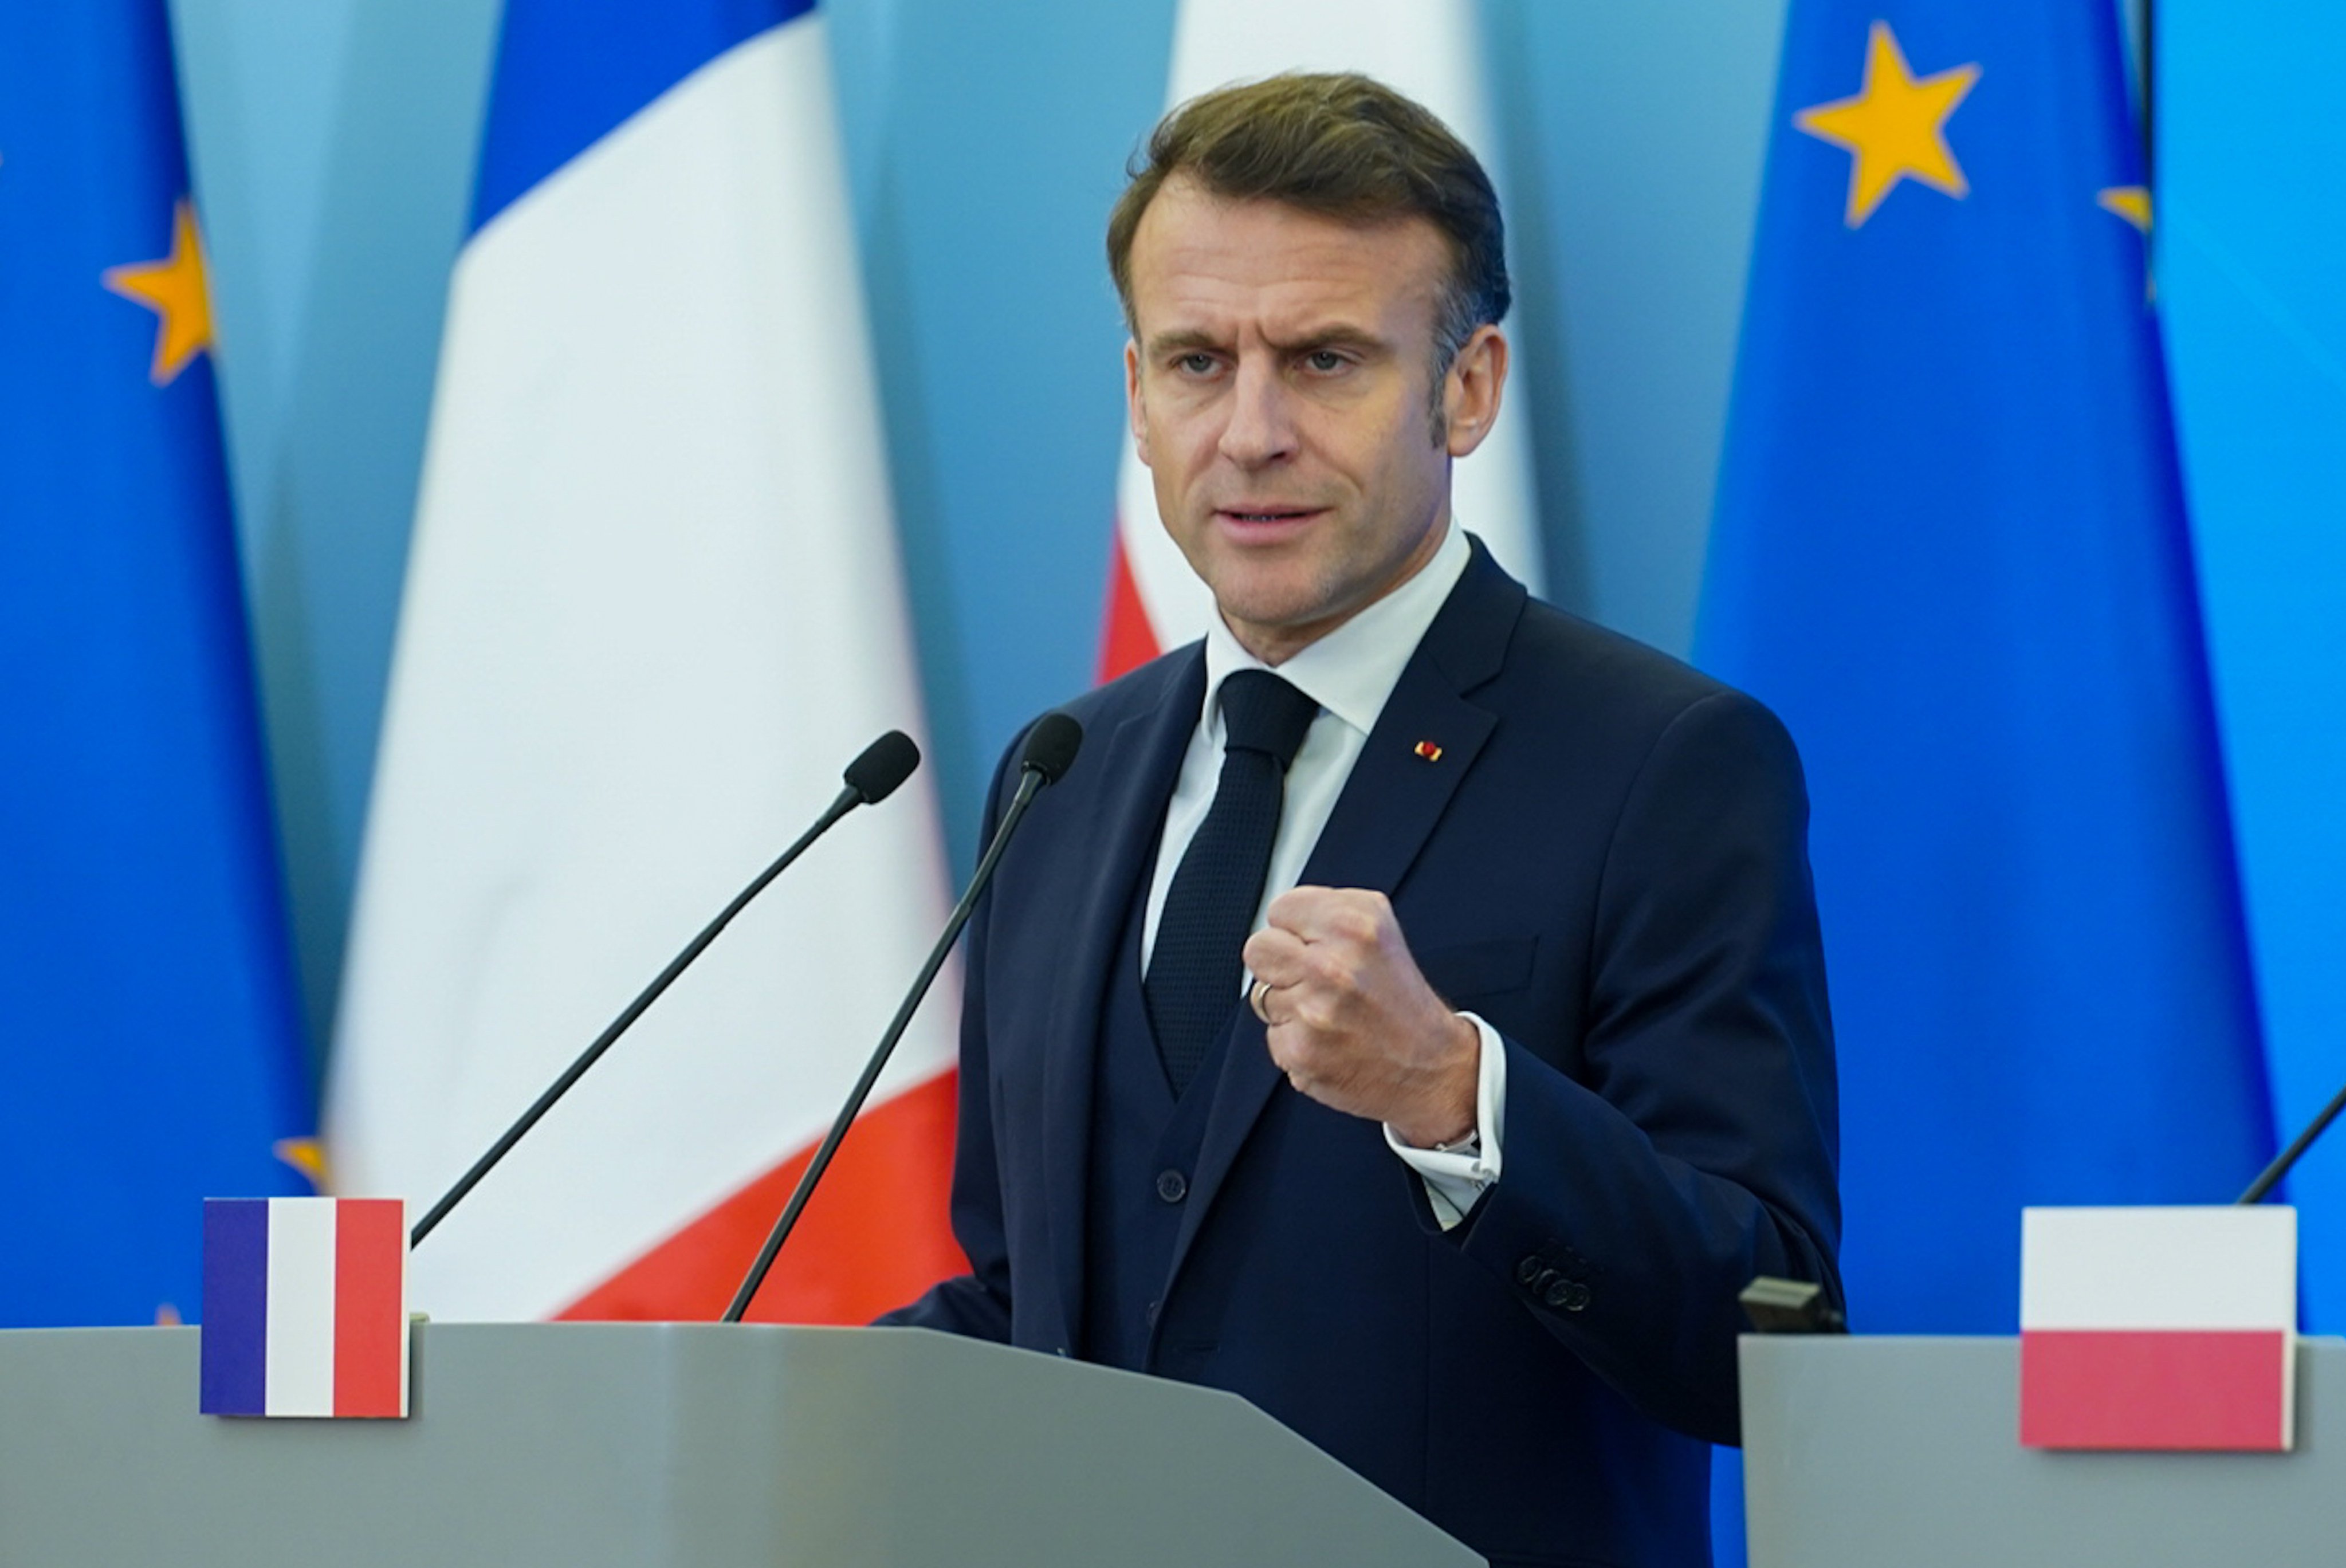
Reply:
x=672, y=1445
x=1873, y=1450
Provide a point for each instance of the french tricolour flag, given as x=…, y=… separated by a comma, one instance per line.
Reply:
x=654, y=606
x=2158, y=1328
x=305, y=1307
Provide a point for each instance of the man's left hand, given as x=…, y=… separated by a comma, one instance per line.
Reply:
x=1352, y=1022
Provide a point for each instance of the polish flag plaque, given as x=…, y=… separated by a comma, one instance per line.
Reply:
x=2158, y=1329
x=305, y=1307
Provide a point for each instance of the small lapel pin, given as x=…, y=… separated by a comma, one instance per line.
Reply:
x=1429, y=751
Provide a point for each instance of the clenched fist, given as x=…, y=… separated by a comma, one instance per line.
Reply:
x=1354, y=1023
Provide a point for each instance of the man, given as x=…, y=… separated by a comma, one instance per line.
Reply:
x=1408, y=1012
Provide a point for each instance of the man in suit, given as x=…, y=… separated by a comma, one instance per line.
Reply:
x=1408, y=1012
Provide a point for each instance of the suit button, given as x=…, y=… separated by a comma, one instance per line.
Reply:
x=1569, y=1294
x=1528, y=1269
x=1172, y=1186
x=1545, y=1281
x=1151, y=1313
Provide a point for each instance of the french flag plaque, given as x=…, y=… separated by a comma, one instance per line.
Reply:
x=2159, y=1327
x=305, y=1307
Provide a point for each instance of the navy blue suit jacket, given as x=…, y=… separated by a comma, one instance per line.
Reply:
x=1607, y=862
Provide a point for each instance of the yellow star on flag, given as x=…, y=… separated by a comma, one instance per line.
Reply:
x=1895, y=128
x=2131, y=202
x=307, y=1155
x=174, y=289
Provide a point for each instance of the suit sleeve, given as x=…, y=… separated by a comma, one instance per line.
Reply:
x=1695, y=1147
x=976, y=1304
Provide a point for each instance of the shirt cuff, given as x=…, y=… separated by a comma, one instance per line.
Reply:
x=1456, y=1179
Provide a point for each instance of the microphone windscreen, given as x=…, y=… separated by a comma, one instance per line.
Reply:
x=884, y=764
x=1051, y=744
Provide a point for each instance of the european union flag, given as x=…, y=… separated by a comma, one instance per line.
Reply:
x=149, y=1056
x=1950, y=550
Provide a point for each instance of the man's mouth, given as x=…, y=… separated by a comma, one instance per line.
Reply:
x=1265, y=516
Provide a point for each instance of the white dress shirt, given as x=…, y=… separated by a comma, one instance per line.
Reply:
x=1349, y=673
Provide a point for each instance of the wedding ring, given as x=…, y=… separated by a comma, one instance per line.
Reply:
x=1254, y=994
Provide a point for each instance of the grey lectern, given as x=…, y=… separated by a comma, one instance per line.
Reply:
x=1907, y=1452
x=691, y=1445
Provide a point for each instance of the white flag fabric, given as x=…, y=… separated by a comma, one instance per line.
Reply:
x=653, y=607
x=1426, y=49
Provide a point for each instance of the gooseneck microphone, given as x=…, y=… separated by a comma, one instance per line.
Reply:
x=871, y=779
x=1050, y=750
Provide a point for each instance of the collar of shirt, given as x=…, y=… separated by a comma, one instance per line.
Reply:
x=1351, y=671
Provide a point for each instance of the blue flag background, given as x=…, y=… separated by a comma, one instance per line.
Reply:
x=149, y=1054
x=1950, y=550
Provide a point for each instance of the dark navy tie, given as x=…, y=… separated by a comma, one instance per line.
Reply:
x=1194, y=969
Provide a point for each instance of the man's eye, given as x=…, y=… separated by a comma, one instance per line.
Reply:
x=1195, y=365
x=1324, y=361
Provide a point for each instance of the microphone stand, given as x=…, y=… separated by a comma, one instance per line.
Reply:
x=871, y=778
x=1035, y=774
x=2271, y=1175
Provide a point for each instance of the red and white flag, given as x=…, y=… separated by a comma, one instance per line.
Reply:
x=1426, y=48
x=653, y=608
x=2159, y=1327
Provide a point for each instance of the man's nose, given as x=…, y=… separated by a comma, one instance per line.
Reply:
x=1260, y=428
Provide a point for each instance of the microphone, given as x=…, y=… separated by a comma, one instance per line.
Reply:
x=1050, y=750
x=871, y=779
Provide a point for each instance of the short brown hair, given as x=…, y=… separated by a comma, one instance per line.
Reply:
x=1344, y=146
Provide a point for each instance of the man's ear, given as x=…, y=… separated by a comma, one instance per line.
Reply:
x=1133, y=410
x=1472, y=388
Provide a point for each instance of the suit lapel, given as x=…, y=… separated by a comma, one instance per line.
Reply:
x=1114, y=845
x=1387, y=811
